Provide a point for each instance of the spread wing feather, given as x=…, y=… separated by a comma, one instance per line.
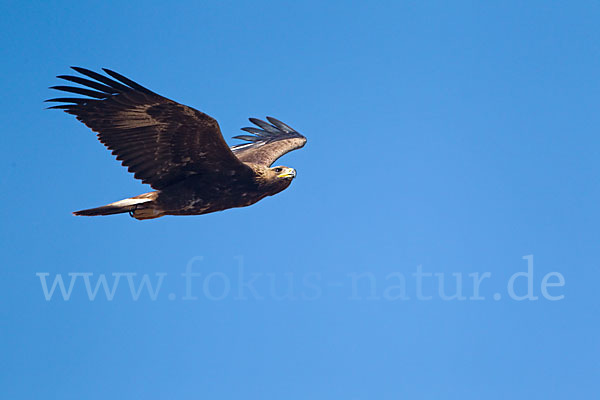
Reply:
x=161, y=141
x=268, y=143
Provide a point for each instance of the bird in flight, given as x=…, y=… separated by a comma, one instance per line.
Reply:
x=178, y=150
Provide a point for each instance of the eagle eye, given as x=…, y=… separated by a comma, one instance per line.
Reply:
x=278, y=170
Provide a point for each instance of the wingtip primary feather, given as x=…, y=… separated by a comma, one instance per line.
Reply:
x=81, y=70
x=59, y=107
x=82, y=91
x=127, y=81
x=246, y=137
x=284, y=127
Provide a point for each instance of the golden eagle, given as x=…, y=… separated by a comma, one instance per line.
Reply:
x=177, y=150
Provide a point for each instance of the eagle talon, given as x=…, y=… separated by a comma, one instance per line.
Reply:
x=132, y=211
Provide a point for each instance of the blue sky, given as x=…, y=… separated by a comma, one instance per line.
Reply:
x=451, y=138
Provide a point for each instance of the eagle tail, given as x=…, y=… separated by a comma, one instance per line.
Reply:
x=122, y=206
x=104, y=210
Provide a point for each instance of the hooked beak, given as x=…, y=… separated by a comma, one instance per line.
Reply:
x=288, y=173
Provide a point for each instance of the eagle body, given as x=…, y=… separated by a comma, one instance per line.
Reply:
x=196, y=196
x=177, y=150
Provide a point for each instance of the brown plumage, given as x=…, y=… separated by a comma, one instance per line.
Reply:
x=177, y=150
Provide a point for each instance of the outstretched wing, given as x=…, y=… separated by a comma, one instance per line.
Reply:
x=161, y=141
x=268, y=143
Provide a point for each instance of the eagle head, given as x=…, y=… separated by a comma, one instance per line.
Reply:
x=274, y=180
x=284, y=173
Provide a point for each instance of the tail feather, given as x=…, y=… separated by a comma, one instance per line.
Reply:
x=104, y=210
x=119, y=207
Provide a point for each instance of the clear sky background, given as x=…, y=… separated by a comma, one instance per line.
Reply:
x=456, y=136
